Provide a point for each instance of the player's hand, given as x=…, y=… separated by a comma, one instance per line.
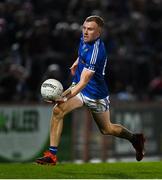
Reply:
x=66, y=92
x=61, y=100
x=64, y=97
x=49, y=101
x=56, y=102
x=73, y=69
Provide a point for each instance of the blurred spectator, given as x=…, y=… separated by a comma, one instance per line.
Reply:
x=155, y=87
x=12, y=83
x=124, y=93
x=37, y=34
x=53, y=72
x=4, y=39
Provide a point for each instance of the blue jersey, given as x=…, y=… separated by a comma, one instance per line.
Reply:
x=93, y=57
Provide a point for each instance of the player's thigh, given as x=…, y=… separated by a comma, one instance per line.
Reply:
x=102, y=119
x=68, y=106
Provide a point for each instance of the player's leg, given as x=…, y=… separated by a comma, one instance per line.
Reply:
x=57, y=118
x=107, y=128
x=56, y=129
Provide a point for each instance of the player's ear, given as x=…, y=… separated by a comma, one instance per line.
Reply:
x=100, y=30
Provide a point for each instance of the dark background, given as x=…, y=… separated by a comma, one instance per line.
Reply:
x=39, y=39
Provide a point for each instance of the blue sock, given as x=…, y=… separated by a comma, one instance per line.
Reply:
x=53, y=150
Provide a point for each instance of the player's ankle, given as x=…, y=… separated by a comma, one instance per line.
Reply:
x=133, y=138
x=53, y=149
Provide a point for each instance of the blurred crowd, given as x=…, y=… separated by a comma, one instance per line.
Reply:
x=39, y=40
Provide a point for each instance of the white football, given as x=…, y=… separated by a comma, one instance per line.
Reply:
x=51, y=89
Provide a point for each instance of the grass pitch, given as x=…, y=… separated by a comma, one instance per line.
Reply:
x=134, y=170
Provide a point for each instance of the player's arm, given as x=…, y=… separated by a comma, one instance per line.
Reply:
x=74, y=66
x=86, y=75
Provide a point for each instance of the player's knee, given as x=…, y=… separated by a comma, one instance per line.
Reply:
x=107, y=130
x=58, y=112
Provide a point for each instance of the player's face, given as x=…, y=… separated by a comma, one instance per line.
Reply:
x=91, y=31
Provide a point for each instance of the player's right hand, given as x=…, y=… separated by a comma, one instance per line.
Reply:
x=63, y=98
x=73, y=69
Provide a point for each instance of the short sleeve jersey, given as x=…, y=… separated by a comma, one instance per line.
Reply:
x=92, y=56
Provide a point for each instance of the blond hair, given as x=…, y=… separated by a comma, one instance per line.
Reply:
x=97, y=19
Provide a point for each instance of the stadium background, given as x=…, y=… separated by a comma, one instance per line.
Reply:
x=39, y=39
